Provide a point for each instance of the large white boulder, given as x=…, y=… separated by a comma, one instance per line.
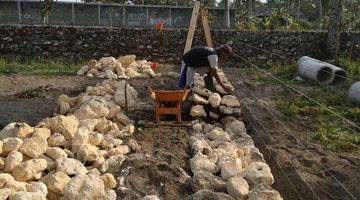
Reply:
x=215, y=100
x=27, y=170
x=127, y=60
x=57, y=181
x=11, y=144
x=237, y=187
x=119, y=96
x=198, y=111
x=20, y=130
x=70, y=166
x=34, y=146
x=264, y=192
x=66, y=125
x=217, y=134
x=230, y=100
x=12, y=160
x=257, y=173
x=92, y=109
x=201, y=163
x=83, y=186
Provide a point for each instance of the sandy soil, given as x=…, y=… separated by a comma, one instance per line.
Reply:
x=302, y=160
x=160, y=167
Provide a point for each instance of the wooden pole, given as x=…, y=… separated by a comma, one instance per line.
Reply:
x=192, y=26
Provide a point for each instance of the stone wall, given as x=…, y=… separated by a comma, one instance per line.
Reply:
x=80, y=43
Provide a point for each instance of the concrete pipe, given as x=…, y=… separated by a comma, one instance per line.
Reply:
x=340, y=74
x=354, y=93
x=315, y=70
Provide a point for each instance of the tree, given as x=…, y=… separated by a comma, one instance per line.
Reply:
x=333, y=29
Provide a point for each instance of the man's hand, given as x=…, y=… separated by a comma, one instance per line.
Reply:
x=228, y=89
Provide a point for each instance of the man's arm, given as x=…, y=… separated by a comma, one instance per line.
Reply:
x=213, y=60
x=213, y=73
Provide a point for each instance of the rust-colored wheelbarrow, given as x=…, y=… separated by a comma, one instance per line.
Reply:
x=168, y=102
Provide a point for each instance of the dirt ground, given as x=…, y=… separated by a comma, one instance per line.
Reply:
x=160, y=167
x=297, y=163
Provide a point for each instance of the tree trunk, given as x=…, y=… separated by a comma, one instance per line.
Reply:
x=227, y=18
x=320, y=15
x=298, y=9
x=334, y=24
x=250, y=7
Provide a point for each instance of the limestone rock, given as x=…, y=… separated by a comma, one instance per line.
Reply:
x=66, y=125
x=37, y=187
x=92, y=109
x=113, y=162
x=82, y=70
x=90, y=124
x=13, y=159
x=215, y=100
x=213, y=115
x=217, y=134
x=56, y=153
x=133, y=145
x=119, y=96
x=197, y=111
x=229, y=110
x=84, y=187
x=95, y=138
x=88, y=152
x=11, y=130
x=70, y=166
x=127, y=60
x=4, y=178
x=257, y=173
x=42, y=133
x=4, y=193
x=57, y=181
x=29, y=169
x=113, y=111
x=110, y=75
x=207, y=194
x=202, y=163
x=64, y=107
x=197, y=127
x=236, y=127
x=120, y=150
x=199, y=100
x=230, y=100
x=120, y=70
x=264, y=192
x=123, y=119
x=237, y=187
x=230, y=169
x=208, y=128
x=56, y=140
x=106, y=61
x=131, y=73
x=201, y=146
x=81, y=137
x=109, y=180
x=150, y=197
x=2, y=163
x=15, y=186
x=34, y=146
x=11, y=144
x=205, y=180
x=109, y=142
x=201, y=91
x=110, y=194
x=22, y=195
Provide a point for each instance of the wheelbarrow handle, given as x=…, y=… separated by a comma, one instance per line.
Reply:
x=150, y=92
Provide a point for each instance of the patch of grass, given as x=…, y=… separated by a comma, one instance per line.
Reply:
x=45, y=67
x=337, y=139
x=329, y=128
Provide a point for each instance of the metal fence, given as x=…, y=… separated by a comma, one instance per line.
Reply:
x=107, y=15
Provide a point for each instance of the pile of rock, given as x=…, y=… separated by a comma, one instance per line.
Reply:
x=124, y=67
x=214, y=105
x=68, y=156
x=225, y=162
